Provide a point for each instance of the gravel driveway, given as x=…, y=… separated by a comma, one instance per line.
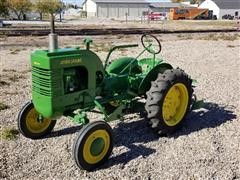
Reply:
x=207, y=147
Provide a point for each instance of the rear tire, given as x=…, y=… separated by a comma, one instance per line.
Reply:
x=168, y=101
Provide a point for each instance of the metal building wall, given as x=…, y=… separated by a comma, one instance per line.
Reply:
x=123, y=9
x=102, y=10
x=119, y=10
x=161, y=9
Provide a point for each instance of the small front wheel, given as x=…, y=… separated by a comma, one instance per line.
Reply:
x=93, y=146
x=32, y=125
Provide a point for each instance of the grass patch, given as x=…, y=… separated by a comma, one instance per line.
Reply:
x=120, y=36
x=188, y=37
x=26, y=71
x=101, y=47
x=185, y=36
x=4, y=83
x=180, y=36
x=230, y=46
x=9, y=70
x=3, y=106
x=224, y=37
x=122, y=50
x=14, y=51
x=210, y=37
x=11, y=93
x=9, y=134
x=42, y=37
x=3, y=36
x=15, y=78
x=228, y=37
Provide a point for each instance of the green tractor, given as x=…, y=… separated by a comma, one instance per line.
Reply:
x=71, y=82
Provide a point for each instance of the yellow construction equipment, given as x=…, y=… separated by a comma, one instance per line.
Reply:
x=190, y=13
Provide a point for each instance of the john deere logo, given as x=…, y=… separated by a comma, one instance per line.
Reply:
x=36, y=63
x=70, y=61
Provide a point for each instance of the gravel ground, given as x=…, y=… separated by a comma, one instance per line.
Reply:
x=207, y=147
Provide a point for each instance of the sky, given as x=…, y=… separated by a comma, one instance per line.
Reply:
x=79, y=2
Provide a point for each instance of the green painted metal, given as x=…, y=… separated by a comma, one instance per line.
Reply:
x=97, y=146
x=73, y=81
x=123, y=66
x=197, y=105
x=79, y=118
x=88, y=42
x=51, y=73
x=151, y=73
x=117, y=114
x=115, y=48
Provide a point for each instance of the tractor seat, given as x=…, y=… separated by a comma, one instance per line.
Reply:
x=122, y=66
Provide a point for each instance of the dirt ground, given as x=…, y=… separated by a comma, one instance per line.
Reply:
x=207, y=147
x=114, y=23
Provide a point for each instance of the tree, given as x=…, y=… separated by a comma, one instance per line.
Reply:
x=196, y=1
x=191, y=1
x=50, y=7
x=4, y=8
x=178, y=1
x=20, y=7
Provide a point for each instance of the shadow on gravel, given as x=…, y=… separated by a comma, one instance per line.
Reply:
x=210, y=116
x=133, y=135
x=63, y=132
x=129, y=134
x=139, y=107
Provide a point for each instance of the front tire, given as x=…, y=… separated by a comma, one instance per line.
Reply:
x=93, y=146
x=32, y=125
x=168, y=101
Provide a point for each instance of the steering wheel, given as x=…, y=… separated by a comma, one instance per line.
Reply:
x=151, y=43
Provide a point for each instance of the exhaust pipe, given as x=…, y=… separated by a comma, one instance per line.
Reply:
x=53, y=37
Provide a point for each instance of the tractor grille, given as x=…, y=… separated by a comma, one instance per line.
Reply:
x=46, y=82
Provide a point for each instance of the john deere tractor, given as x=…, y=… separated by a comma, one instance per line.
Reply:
x=72, y=81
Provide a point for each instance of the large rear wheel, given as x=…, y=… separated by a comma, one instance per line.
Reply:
x=168, y=101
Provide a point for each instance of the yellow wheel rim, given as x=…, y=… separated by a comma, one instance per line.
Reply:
x=96, y=146
x=34, y=124
x=175, y=104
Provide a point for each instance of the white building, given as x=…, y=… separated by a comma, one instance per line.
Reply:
x=222, y=7
x=115, y=8
x=90, y=7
